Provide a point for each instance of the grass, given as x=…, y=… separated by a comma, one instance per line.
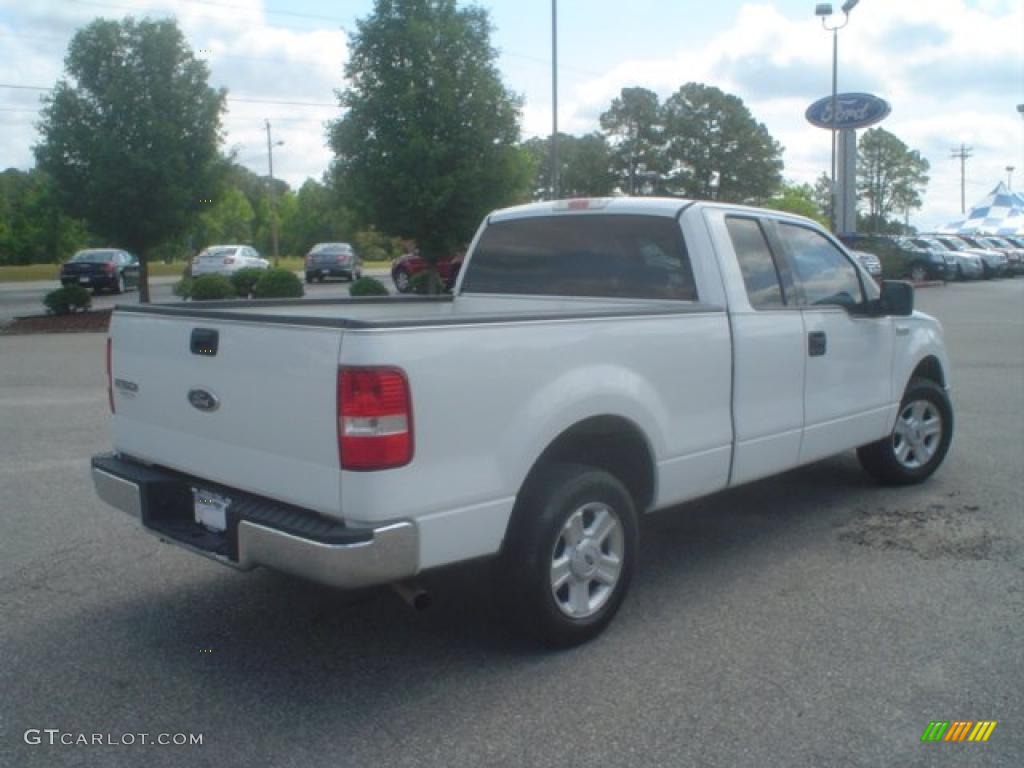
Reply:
x=32, y=272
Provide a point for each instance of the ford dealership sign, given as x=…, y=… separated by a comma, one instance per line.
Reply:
x=853, y=110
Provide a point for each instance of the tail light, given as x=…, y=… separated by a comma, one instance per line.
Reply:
x=110, y=376
x=374, y=418
x=108, y=267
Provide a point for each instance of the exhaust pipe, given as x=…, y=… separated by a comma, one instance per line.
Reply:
x=415, y=596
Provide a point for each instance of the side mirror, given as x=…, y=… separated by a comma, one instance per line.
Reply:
x=897, y=298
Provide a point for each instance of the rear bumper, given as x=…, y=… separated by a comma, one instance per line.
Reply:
x=258, y=531
x=346, y=273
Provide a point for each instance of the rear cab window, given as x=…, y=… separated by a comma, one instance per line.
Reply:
x=630, y=256
x=761, y=274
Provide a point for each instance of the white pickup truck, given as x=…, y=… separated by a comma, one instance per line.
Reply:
x=599, y=359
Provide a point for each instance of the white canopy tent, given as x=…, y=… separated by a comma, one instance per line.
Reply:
x=1000, y=213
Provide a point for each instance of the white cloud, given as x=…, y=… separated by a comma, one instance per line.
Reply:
x=949, y=76
x=952, y=73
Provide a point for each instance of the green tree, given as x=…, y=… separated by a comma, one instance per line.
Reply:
x=130, y=134
x=798, y=199
x=228, y=220
x=717, y=149
x=633, y=124
x=318, y=216
x=823, y=196
x=584, y=166
x=33, y=229
x=890, y=176
x=428, y=141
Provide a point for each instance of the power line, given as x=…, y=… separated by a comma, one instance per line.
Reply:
x=235, y=99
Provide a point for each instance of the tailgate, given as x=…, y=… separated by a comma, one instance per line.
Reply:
x=259, y=414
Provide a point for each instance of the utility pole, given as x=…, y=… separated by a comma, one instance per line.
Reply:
x=273, y=202
x=1009, y=177
x=554, y=99
x=962, y=154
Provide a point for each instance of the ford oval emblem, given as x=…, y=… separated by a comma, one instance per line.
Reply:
x=853, y=110
x=203, y=400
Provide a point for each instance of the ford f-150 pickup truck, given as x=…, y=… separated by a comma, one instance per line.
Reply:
x=598, y=359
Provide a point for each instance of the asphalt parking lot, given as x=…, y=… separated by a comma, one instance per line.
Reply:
x=812, y=619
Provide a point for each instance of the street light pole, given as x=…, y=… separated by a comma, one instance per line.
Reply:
x=824, y=10
x=554, y=99
x=273, y=201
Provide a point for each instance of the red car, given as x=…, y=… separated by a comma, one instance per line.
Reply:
x=409, y=265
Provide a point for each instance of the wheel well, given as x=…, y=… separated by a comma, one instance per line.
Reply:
x=611, y=443
x=931, y=369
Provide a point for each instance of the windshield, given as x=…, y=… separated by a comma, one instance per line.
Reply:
x=953, y=243
x=332, y=248
x=94, y=256
x=217, y=252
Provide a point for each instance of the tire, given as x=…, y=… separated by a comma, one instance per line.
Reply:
x=402, y=281
x=577, y=525
x=919, y=441
x=918, y=273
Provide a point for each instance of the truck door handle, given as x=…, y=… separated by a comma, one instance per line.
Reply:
x=817, y=343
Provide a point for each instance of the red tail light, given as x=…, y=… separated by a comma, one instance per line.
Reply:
x=374, y=418
x=108, y=267
x=110, y=376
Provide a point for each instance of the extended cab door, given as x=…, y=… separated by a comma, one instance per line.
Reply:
x=848, y=368
x=768, y=349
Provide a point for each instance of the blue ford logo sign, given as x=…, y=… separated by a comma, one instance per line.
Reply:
x=853, y=110
x=203, y=400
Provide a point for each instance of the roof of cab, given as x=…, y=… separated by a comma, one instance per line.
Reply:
x=651, y=206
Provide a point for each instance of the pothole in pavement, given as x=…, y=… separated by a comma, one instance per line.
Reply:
x=955, y=531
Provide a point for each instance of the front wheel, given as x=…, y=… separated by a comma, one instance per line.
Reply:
x=919, y=439
x=570, y=554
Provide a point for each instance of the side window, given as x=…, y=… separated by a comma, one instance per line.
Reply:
x=760, y=273
x=824, y=272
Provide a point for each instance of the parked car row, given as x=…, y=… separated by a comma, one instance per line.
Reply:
x=941, y=256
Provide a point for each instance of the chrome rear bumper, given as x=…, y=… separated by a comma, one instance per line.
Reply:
x=259, y=531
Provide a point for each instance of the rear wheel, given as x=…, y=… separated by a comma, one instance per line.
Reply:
x=919, y=440
x=918, y=273
x=402, y=281
x=570, y=554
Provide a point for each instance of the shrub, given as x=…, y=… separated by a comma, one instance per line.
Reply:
x=212, y=287
x=367, y=286
x=68, y=299
x=426, y=283
x=183, y=288
x=278, y=284
x=245, y=279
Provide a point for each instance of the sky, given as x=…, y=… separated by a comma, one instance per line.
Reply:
x=953, y=71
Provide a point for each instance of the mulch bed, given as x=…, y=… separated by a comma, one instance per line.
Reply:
x=80, y=322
